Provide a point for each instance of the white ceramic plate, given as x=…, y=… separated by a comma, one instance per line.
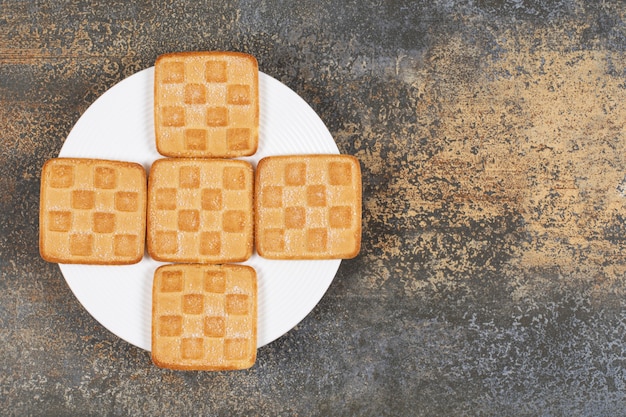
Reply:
x=119, y=126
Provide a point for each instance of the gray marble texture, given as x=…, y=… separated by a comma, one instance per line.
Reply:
x=492, y=275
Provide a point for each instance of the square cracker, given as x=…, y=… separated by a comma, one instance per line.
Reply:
x=204, y=317
x=92, y=211
x=200, y=210
x=308, y=207
x=206, y=104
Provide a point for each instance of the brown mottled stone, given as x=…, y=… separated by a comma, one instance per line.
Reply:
x=492, y=273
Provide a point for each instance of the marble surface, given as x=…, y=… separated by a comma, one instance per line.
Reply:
x=492, y=275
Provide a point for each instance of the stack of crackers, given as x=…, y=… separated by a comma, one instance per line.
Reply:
x=202, y=210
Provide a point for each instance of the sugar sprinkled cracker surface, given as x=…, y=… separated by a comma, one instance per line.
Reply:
x=206, y=104
x=92, y=211
x=204, y=317
x=200, y=210
x=308, y=207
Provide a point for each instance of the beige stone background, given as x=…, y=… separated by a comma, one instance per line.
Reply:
x=533, y=130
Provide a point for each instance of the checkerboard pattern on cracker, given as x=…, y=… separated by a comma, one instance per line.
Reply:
x=92, y=211
x=308, y=207
x=200, y=210
x=206, y=104
x=204, y=317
